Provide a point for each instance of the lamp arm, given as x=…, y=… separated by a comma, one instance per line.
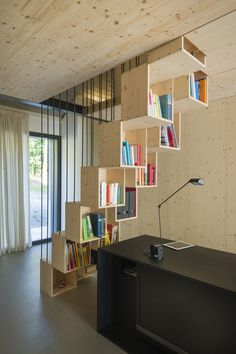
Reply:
x=159, y=206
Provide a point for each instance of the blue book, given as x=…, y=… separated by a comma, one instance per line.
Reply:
x=166, y=106
x=127, y=150
x=96, y=221
x=197, y=90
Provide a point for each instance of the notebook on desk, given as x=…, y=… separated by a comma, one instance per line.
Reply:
x=178, y=245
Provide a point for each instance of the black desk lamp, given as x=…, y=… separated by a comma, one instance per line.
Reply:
x=157, y=250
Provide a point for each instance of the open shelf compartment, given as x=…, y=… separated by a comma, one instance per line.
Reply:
x=142, y=179
x=91, y=179
x=111, y=137
x=154, y=137
x=54, y=282
x=74, y=219
x=164, y=60
x=184, y=101
x=135, y=99
x=130, y=210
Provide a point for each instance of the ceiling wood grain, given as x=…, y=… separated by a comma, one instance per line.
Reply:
x=48, y=46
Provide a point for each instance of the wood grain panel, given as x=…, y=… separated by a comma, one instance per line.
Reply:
x=48, y=46
x=202, y=215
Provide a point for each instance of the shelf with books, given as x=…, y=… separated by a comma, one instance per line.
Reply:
x=129, y=211
x=191, y=91
x=102, y=187
x=66, y=254
x=165, y=138
x=147, y=178
x=175, y=58
x=144, y=105
x=53, y=282
x=113, y=230
x=84, y=224
x=121, y=148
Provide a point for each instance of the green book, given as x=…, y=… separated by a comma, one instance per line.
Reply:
x=89, y=226
x=84, y=228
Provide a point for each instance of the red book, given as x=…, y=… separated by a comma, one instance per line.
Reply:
x=138, y=155
x=170, y=137
x=109, y=230
x=150, y=178
x=108, y=194
x=153, y=175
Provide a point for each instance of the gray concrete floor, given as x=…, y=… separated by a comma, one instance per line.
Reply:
x=33, y=323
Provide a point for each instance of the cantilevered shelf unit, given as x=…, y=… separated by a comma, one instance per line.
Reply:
x=91, y=179
x=184, y=99
x=167, y=77
x=154, y=143
x=175, y=58
x=112, y=136
x=135, y=99
x=74, y=218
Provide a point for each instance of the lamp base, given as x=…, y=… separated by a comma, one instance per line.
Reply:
x=157, y=251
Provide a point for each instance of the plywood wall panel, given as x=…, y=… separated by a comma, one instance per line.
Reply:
x=201, y=215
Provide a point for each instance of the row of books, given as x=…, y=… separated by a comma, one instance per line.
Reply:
x=147, y=176
x=160, y=106
x=112, y=232
x=168, y=136
x=198, y=88
x=93, y=224
x=73, y=256
x=86, y=252
x=131, y=154
x=110, y=194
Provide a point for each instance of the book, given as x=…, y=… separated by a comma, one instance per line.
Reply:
x=89, y=226
x=203, y=90
x=103, y=194
x=166, y=106
x=84, y=228
x=97, y=223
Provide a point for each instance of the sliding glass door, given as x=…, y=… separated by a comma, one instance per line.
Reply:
x=45, y=188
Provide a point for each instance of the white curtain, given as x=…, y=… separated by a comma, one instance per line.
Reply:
x=14, y=182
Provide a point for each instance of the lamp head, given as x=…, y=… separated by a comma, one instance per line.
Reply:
x=197, y=181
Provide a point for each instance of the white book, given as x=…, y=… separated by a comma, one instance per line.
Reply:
x=103, y=194
x=115, y=193
x=135, y=154
x=132, y=154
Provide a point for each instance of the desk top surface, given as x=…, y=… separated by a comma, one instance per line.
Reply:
x=203, y=264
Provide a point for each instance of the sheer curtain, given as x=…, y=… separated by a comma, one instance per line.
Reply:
x=14, y=182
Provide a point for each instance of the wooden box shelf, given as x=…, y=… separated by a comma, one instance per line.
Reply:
x=91, y=179
x=59, y=253
x=111, y=137
x=53, y=282
x=74, y=214
x=154, y=137
x=135, y=89
x=151, y=159
x=175, y=58
x=113, y=212
x=183, y=99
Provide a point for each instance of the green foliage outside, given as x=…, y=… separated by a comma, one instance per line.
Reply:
x=35, y=146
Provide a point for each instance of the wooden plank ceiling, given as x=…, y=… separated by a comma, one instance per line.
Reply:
x=48, y=46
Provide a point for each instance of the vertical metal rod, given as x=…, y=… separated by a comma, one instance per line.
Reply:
x=53, y=172
x=87, y=104
x=114, y=92
x=41, y=181
x=92, y=136
x=111, y=75
x=83, y=124
x=74, y=144
x=59, y=114
x=67, y=162
x=106, y=95
x=47, y=180
x=91, y=120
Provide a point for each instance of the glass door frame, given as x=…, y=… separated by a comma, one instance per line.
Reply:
x=56, y=138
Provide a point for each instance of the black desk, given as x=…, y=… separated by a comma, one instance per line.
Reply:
x=186, y=302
